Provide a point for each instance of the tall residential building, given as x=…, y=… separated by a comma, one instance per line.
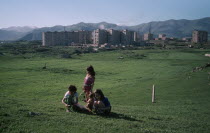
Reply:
x=199, y=36
x=127, y=37
x=148, y=37
x=100, y=36
x=65, y=38
x=113, y=37
x=85, y=37
x=55, y=38
x=137, y=37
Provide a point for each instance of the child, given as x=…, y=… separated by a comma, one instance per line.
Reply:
x=102, y=104
x=70, y=98
x=89, y=81
x=90, y=102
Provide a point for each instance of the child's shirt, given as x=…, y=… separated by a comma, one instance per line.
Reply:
x=106, y=102
x=88, y=82
x=70, y=99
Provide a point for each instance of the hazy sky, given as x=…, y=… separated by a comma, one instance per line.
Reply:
x=42, y=13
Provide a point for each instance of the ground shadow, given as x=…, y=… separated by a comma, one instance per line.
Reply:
x=115, y=115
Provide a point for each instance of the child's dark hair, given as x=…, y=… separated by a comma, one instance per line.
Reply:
x=91, y=71
x=99, y=91
x=72, y=88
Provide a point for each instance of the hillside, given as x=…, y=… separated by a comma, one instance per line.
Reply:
x=15, y=32
x=175, y=28
x=20, y=29
x=11, y=35
x=30, y=99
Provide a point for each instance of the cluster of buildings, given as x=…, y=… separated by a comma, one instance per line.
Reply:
x=110, y=36
x=99, y=37
x=198, y=36
x=115, y=37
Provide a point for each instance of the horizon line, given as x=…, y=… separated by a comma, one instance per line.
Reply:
x=118, y=24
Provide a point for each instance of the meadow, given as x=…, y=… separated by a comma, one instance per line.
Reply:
x=182, y=96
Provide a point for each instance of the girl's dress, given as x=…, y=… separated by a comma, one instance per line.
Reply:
x=88, y=83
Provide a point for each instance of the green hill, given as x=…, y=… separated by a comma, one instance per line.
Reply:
x=182, y=96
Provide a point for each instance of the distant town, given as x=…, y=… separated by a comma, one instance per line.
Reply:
x=108, y=38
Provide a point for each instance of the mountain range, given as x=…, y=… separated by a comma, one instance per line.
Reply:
x=172, y=28
x=15, y=32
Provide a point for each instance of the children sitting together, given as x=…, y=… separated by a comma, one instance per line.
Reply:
x=96, y=102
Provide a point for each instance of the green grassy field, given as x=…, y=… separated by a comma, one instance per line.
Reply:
x=182, y=96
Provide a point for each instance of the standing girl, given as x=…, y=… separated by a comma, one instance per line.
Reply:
x=89, y=81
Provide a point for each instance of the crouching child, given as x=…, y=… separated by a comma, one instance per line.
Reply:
x=70, y=99
x=102, y=104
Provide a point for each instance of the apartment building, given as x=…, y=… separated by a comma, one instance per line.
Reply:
x=100, y=36
x=65, y=38
x=113, y=37
x=148, y=37
x=199, y=36
x=127, y=37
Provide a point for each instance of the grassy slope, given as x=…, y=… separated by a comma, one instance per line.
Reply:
x=182, y=103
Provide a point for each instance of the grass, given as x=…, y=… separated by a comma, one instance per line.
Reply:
x=182, y=96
